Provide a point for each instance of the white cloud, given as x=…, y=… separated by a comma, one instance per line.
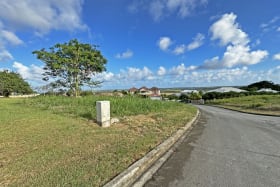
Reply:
x=104, y=76
x=161, y=71
x=185, y=76
x=197, y=42
x=238, y=51
x=164, y=43
x=271, y=25
x=276, y=56
x=7, y=38
x=127, y=54
x=160, y=9
x=156, y=9
x=42, y=15
x=178, y=70
x=228, y=31
x=10, y=37
x=256, y=43
x=23, y=70
x=217, y=77
x=135, y=6
x=138, y=74
x=272, y=74
x=32, y=73
x=184, y=7
x=278, y=29
x=272, y=21
x=179, y=49
x=5, y=55
x=228, y=77
x=191, y=68
x=213, y=63
x=235, y=56
x=129, y=75
x=241, y=55
x=181, y=69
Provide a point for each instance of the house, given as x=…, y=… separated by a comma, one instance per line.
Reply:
x=153, y=93
x=132, y=90
x=144, y=91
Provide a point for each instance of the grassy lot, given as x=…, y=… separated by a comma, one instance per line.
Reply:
x=260, y=104
x=54, y=141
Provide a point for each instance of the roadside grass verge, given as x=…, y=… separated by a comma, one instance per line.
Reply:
x=53, y=141
x=259, y=104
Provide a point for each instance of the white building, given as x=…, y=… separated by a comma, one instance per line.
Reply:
x=267, y=90
x=189, y=91
x=226, y=89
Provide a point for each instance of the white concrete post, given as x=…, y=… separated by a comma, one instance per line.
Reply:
x=103, y=113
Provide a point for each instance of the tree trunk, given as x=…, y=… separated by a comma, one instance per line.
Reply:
x=76, y=86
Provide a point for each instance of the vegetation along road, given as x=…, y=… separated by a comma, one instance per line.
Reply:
x=225, y=148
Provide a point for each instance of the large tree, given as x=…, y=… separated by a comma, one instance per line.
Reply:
x=72, y=64
x=12, y=82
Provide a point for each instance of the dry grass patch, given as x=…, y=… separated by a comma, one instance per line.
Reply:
x=43, y=145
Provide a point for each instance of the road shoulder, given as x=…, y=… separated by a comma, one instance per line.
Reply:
x=137, y=174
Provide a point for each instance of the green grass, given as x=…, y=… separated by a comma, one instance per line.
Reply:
x=85, y=106
x=53, y=141
x=260, y=104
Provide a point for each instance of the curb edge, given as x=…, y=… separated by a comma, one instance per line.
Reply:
x=161, y=152
x=245, y=112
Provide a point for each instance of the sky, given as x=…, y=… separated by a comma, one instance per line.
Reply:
x=162, y=43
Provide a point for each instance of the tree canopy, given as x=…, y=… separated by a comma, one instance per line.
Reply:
x=262, y=84
x=11, y=82
x=72, y=65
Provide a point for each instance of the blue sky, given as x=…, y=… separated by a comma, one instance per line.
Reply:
x=163, y=43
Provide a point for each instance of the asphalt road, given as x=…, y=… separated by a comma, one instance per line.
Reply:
x=225, y=149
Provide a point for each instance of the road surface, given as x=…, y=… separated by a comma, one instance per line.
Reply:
x=225, y=149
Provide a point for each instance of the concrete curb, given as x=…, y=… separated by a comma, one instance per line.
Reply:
x=236, y=110
x=138, y=169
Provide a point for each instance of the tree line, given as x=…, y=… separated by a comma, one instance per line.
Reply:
x=12, y=82
x=250, y=90
x=262, y=84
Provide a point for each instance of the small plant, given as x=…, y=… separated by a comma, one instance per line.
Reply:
x=255, y=105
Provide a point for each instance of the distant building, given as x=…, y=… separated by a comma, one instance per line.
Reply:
x=153, y=93
x=226, y=89
x=144, y=91
x=132, y=90
x=189, y=91
x=268, y=90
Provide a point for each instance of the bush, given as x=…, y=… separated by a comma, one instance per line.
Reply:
x=86, y=93
x=184, y=98
x=173, y=97
x=217, y=95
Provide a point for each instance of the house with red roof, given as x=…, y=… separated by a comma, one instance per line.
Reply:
x=153, y=93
